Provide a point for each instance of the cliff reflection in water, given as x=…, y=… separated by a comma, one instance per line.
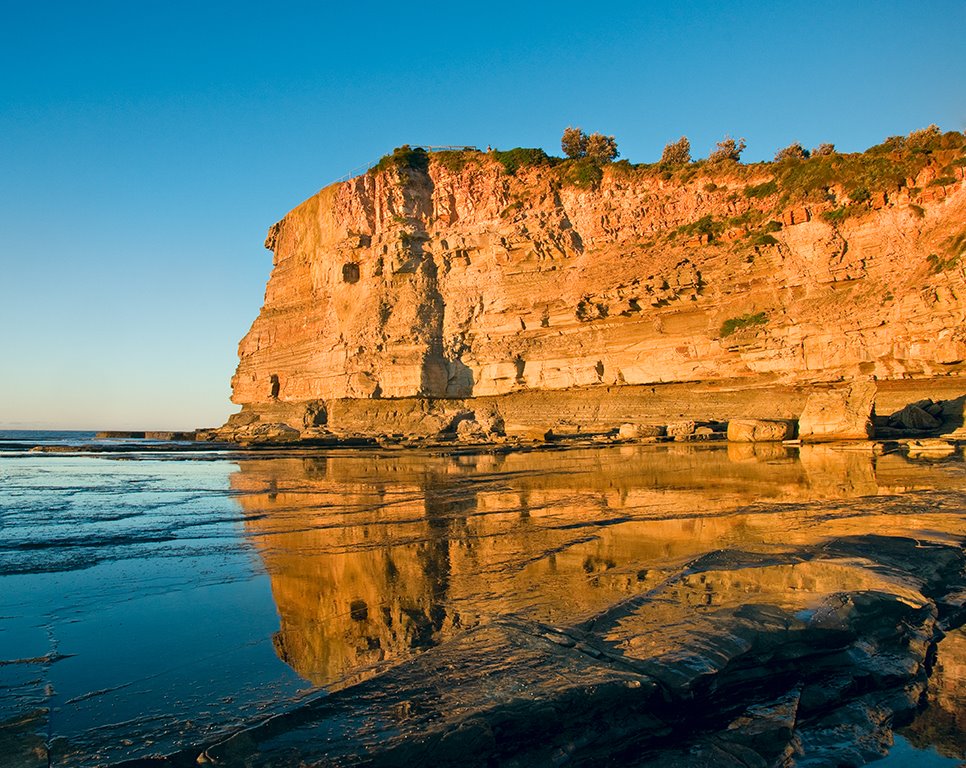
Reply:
x=373, y=556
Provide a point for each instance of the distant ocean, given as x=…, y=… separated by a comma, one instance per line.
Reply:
x=45, y=436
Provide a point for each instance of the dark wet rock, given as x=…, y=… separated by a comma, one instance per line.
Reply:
x=771, y=665
x=914, y=417
x=23, y=742
x=942, y=724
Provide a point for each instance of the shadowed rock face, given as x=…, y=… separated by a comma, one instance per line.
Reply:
x=672, y=606
x=451, y=284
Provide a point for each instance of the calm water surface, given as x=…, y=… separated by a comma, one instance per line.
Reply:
x=150, y=602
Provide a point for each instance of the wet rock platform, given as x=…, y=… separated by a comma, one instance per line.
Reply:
x=799, y=674
x=676, y=604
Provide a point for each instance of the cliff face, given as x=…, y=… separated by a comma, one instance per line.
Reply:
x=458, y=279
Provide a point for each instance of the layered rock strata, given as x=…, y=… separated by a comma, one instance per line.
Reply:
x=455, y=279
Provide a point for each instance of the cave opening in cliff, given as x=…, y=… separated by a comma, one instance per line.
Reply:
x=350, y=272
x=275, y=386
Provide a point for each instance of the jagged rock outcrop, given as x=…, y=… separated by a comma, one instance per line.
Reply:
x=454, y=278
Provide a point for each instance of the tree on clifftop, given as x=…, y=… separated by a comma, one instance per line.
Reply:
x=727, y=149
x=574, y=143
x=794, y=151
x=601, y=148
x=597, y=147
x=677, y=152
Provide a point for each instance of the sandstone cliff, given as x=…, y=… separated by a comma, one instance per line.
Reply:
x=467, y=275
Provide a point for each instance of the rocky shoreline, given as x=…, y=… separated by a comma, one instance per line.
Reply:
x=845, y=411
x=762, y=676
x=834, y=412
x=718, y=603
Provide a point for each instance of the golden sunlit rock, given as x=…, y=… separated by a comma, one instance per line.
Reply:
x=454, y=281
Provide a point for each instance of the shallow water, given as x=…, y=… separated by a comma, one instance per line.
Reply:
x=152, y=603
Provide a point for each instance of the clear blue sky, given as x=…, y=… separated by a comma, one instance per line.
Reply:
x=145, y=148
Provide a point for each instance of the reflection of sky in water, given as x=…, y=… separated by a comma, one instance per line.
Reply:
x=159, y=579
x=904, y=754
x=136, y=572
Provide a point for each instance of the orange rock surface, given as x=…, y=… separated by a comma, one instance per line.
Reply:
x=462, y=279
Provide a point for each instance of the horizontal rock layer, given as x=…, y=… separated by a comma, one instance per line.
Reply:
x=587, y=409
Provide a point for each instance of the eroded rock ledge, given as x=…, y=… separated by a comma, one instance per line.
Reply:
x=859, y=409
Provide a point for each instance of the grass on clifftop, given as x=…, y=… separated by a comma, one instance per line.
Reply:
x=513, y=160
x=884, y=167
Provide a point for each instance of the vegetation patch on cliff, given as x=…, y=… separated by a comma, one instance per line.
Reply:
x=883, y=167
x=706, y=226
x=456, y=160
x=583, y=173
x=754, y=191
x=734, y=324
x=955, y=250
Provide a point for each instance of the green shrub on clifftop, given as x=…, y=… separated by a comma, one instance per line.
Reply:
x=456, y=160
x=515, y=159
x=573, y=142
x=677, y=152
x=727, y=149
x=404, y=158
x=583, y=173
